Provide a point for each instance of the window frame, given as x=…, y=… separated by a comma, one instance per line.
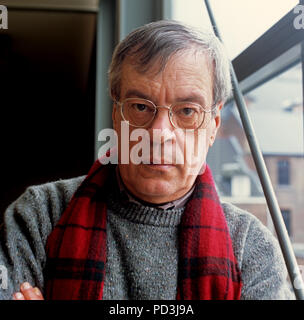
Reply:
x=277, y=50
x=287, y=214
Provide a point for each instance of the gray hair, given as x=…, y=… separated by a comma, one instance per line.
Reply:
x=158, y=41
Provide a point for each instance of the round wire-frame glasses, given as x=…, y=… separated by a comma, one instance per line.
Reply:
x=183, y=115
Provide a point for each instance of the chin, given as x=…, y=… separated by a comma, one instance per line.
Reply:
x=152, y=184
x=153, y=187
x=152, y=190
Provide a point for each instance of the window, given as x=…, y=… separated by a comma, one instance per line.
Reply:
x=240, y=186
x=283, y=172
x=240, y=22
x=236, y=186
x=286, y=216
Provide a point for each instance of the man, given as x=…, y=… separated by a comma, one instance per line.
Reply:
x=151, y=227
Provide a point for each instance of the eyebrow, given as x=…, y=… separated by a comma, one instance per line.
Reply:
x=191, y=98
x=135, y=93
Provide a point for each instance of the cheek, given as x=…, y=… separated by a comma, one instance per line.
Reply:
x=192, y=146
x=130, y=144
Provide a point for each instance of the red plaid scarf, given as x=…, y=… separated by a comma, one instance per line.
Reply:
x=76, y=248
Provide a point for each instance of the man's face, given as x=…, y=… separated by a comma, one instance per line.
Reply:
x=188, y=76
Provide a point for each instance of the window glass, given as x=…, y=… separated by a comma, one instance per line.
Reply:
x=276, y=111
x=240, y=22
x=283, y=172
x=240, y=186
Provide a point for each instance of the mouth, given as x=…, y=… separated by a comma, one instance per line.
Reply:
x=158, y=164
x=159, y=167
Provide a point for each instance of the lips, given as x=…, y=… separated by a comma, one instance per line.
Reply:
x=159, y=162
x=159, y=167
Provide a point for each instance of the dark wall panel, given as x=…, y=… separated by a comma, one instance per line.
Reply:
x=47, y=88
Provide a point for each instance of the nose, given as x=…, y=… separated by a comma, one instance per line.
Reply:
x=161, y=126
x=161, y=119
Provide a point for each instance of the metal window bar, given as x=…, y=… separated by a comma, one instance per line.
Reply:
x=284, y=241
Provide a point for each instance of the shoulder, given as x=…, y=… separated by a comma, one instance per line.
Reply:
x=244, y=226
x=60, y=190
x=248, y=235
x=44, y=202
x=55, y=195
x=259, y=256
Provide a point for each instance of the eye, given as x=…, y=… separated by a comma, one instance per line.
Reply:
x=140, y=107
x=187, y=111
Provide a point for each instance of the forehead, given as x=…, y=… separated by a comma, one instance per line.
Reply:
x=184, y=72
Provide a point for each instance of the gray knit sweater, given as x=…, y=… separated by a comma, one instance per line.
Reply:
x=142, y=246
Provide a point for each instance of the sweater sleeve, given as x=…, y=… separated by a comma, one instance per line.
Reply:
x=263, y=270
x=25, y=227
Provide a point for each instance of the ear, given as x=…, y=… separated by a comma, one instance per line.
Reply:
x=216, y=124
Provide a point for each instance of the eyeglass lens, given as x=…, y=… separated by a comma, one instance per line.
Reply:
x=185, y=115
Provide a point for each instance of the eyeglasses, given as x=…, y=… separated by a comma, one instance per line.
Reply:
x=183, y=115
